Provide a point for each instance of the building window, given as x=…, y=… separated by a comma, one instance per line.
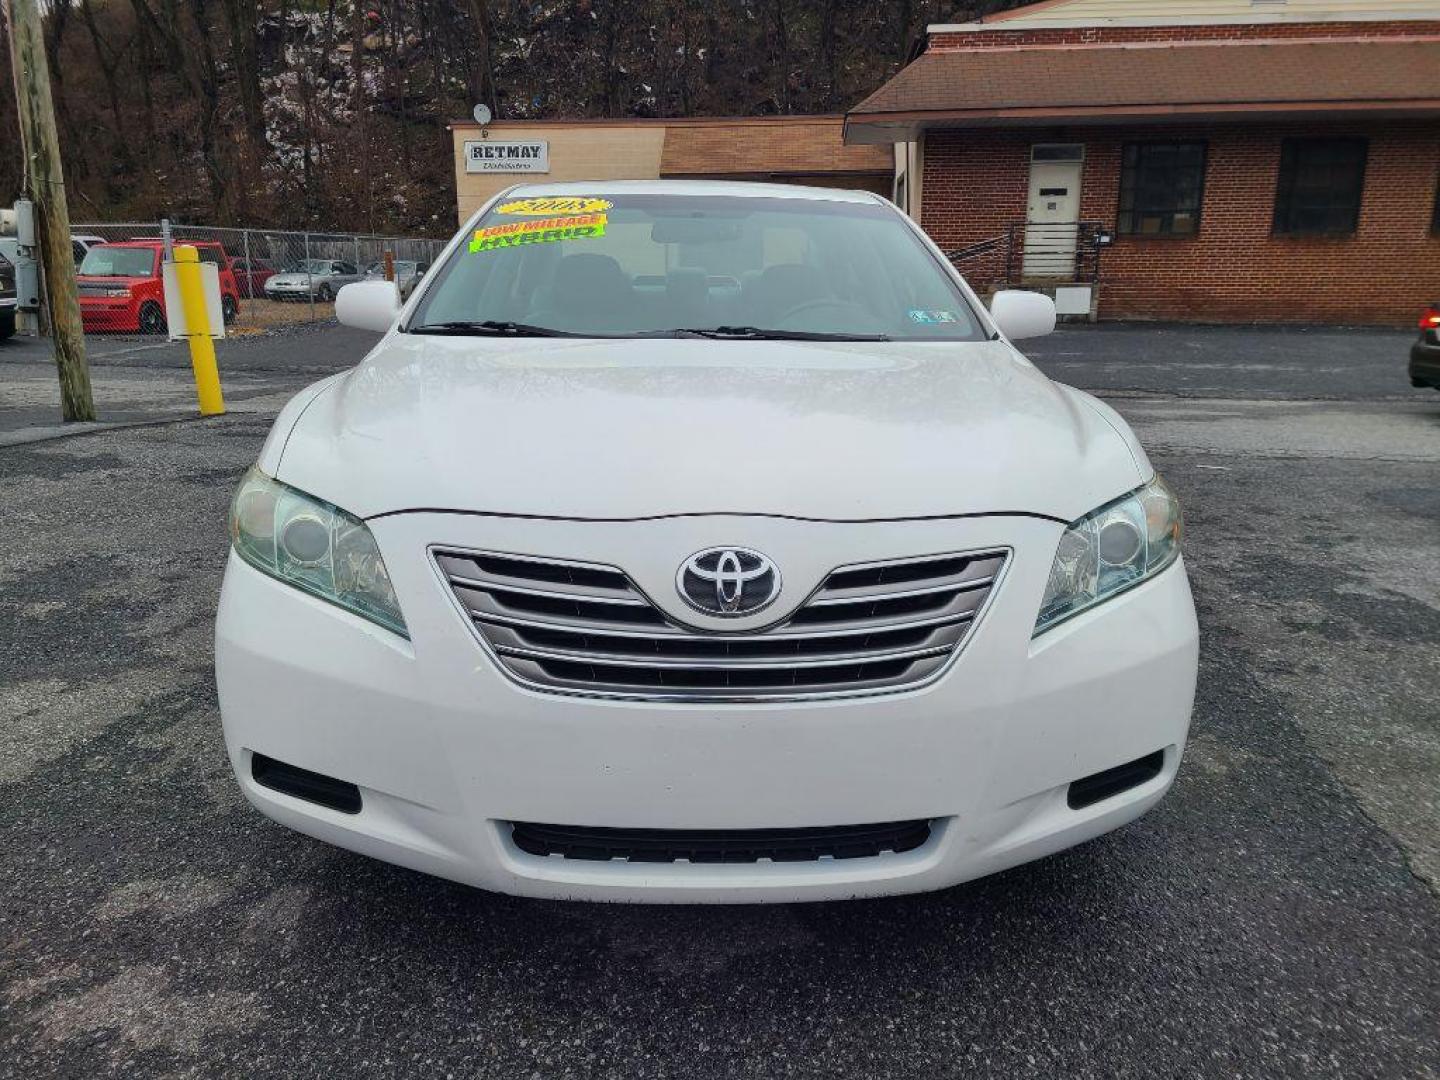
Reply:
x=1160, y=186
x=1435, y=213
x=1057, y=152
x=1320, y=185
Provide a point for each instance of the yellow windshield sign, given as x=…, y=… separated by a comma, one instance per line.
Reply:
x=546, y=231
x=559, y=204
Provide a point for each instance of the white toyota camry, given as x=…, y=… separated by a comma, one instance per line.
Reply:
x=702, y=542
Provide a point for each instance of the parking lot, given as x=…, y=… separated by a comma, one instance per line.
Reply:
x=1276, y=915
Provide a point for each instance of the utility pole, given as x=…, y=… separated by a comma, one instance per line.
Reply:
x=45, y=183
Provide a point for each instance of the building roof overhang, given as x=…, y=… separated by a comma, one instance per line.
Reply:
x=1171, y=83
x=907, y=127
x=1071, y=14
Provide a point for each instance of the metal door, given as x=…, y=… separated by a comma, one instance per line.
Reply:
x=1053, y=211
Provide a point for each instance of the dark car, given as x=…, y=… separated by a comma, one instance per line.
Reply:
x=8, y=298
x=1425, y=353
x=251, y=275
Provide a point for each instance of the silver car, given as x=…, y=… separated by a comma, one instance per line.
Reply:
x=407, y=274
x=318, y=278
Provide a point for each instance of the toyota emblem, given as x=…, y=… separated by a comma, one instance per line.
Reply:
x=728, y=581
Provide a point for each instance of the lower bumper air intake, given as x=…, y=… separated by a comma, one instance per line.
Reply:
x=720, y=845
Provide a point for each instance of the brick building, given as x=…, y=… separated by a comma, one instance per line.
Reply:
x=1215, y=160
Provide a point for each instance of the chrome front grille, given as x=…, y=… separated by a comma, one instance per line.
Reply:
x=574, y=627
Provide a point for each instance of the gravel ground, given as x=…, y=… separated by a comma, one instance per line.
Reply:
x=1276, y=915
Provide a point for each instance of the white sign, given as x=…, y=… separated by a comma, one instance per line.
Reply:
x=175, y=310
x=1072, y=300
x=489, y=155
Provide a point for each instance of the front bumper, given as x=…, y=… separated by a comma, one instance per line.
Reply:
x=447, y=751
x=288, y=292
x=114, y=314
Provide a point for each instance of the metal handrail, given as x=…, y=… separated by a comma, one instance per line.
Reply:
x=984, y=247
x=1073, y=247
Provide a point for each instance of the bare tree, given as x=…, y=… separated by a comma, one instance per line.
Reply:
x=333, y=112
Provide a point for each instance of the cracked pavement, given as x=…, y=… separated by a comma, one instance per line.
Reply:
x=1276, y=915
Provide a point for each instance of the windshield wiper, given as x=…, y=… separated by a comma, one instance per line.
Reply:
x=485, y=327
x=756, y=333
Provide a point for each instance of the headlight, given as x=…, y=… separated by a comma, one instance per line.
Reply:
x=1110, y=549
x=314, y=546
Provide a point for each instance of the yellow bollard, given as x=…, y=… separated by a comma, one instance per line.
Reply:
x=197, y=322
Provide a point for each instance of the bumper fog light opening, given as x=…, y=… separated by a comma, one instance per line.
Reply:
x=1097, y=787
x=303, y=784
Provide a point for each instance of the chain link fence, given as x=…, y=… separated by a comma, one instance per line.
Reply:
x=268, y=278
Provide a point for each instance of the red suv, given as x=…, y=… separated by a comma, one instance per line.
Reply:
x=121, y=291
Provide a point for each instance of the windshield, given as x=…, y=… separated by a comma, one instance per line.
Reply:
x=625, y=265
x=109, y=261
x=308, y=266
x=401, y=268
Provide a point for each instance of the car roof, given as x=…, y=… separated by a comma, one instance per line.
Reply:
x=732, y=188
x=151, y=244
x=155, y=243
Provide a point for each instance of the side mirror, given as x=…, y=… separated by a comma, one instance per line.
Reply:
x=368, y=305
x=1021, y=314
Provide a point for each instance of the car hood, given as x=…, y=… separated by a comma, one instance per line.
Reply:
x=624, y=429
x=293, y=279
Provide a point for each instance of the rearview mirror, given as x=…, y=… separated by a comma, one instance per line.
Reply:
x=693, y=231
x=368, y=305
x=1021, y=314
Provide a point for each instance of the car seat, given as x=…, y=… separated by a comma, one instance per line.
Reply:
x=588, y=291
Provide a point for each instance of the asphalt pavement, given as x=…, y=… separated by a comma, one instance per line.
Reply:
x=1282, y=362
x=1276, y=915
x=137, y=381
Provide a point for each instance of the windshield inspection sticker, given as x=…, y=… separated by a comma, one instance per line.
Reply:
x=560, y=204
x=546, y=231
x=931, y=316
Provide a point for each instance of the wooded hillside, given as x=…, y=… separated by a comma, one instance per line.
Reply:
x=332, y=113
